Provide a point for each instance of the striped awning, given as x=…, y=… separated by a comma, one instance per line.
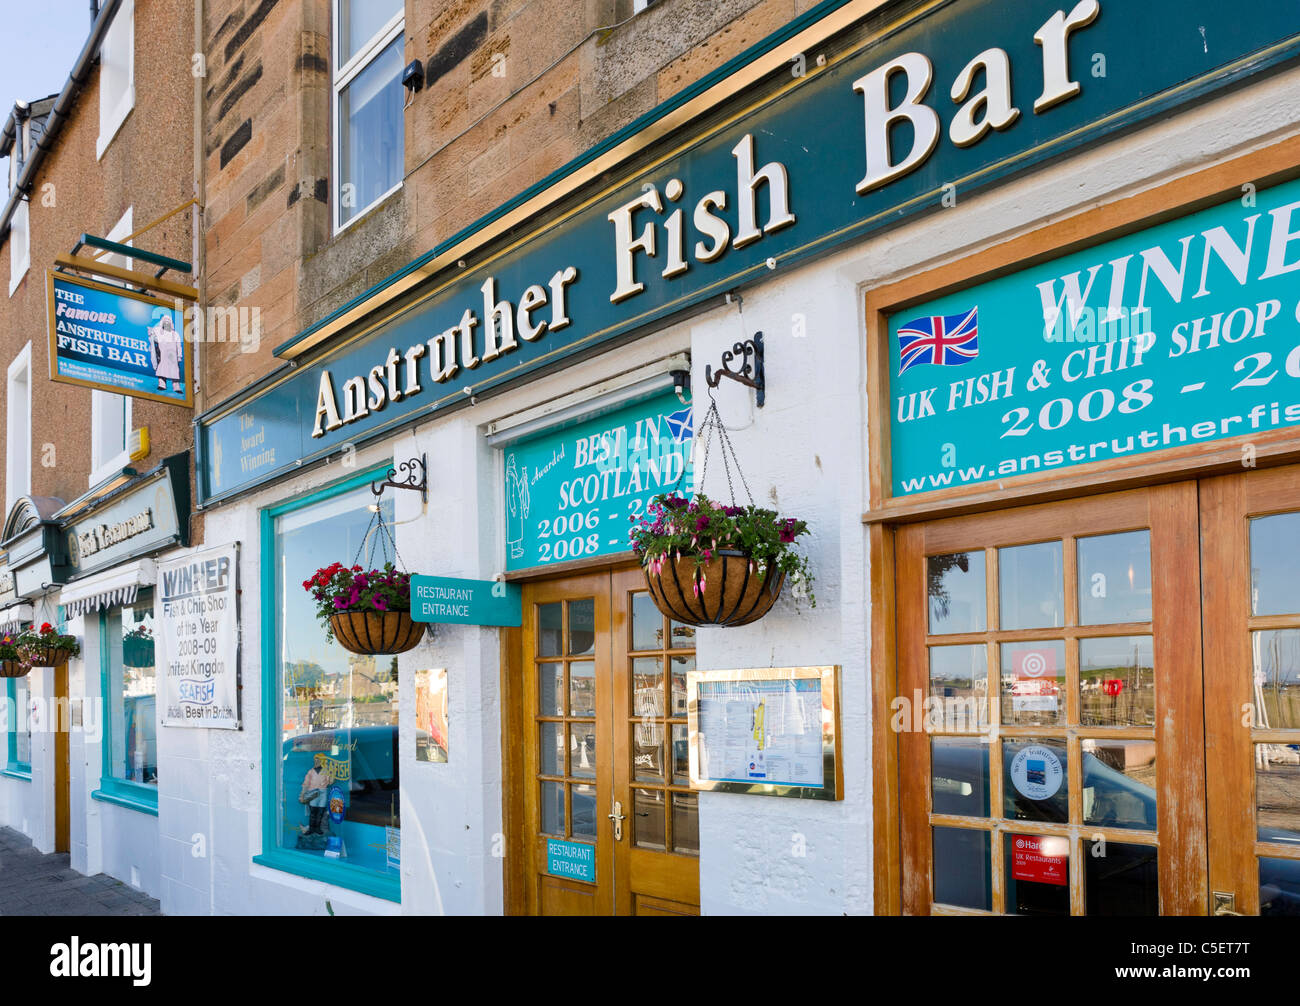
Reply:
x=120, y=585
x=14, y=617
x=104, y=599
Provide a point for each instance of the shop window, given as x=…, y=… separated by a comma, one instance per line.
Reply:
x=130, y=770
x=116, y=76
x=332, y=807
x=369, y=49
x=19, y=727
x=20, y=246
x=18, y=431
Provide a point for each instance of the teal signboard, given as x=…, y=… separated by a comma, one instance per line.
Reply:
x=1182, y=334
x=574, y=860
x=453, y=601
x=868, y=138
x=570, y=492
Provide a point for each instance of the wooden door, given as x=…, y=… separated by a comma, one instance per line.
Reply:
x=609, y=823
x=59, y=720
x=1250, y=555
x=566, y=769
x=657, y=859
x=1051, y=747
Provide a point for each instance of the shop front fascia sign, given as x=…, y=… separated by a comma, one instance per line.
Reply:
x=913, y=111
x=145, y=516
x=1181, y=334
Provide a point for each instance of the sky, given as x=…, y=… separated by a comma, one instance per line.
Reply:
x=39, y=40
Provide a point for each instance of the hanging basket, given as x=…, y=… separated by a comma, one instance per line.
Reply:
x=47, y=656
x=723, y=591
x=375, y=632
x=13, y=669
x=137, y=651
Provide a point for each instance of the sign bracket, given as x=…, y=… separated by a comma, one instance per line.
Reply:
x=409, y=482
x=750, y=375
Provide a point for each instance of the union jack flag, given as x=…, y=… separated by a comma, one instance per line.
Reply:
x=944, y=340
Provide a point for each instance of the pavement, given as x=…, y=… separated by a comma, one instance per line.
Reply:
x=35, y=884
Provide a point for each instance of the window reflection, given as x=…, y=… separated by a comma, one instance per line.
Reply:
x=338, y=710
x=132, y=693
x=955, y=584
x=1276, y=655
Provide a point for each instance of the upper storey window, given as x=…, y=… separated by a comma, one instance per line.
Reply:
x=369, y=144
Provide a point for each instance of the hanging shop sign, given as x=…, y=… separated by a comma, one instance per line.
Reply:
x=8, y=588
x=569, y=493
x=113, y=339
x=199, y=637
x=907, y=113
x=1182, y=334
x=454, y=601
x=147, y=514
x=772, y=731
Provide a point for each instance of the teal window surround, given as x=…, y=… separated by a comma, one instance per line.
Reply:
x=340, y=874
x=122, y=792
x=14, y=769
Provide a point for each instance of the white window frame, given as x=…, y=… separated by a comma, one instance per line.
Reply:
x=113, y=109
x=20, y=244
x=343, y=76
x=102, y=467
x=20, y=368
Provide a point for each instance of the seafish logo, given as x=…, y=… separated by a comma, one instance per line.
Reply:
x=103, y=960
x=199, y=693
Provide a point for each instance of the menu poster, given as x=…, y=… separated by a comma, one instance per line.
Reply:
x=764, y=731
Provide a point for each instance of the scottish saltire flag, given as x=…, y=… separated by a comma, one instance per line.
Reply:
x=944, y=340
x=680, y=424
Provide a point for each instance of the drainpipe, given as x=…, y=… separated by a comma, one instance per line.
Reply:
x=62, y=109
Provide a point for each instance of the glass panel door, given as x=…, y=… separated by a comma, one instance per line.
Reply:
x=658, y=856
x=1049, y=682
x=1251, y=544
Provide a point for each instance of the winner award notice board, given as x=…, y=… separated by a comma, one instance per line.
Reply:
x=770, y=730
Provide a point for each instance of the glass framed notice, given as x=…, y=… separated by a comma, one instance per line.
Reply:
x=773, y=731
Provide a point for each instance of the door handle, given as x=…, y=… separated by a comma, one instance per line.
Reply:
x=618, y=818
x=1225, y=903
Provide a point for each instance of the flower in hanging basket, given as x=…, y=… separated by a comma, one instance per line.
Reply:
x=11, y=665
x=367, y=611
x=709, y=564
x=45, y=647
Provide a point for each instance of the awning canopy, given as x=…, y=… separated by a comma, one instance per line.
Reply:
x=119, y=585
x=13, y=617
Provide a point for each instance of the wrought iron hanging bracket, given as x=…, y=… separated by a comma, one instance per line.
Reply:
x=411, y=468
x=749, y=373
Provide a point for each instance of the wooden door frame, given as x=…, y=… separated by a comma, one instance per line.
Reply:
x=887, y=516
x=514, y=706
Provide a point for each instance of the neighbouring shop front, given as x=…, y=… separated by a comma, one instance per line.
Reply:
x=563, y=740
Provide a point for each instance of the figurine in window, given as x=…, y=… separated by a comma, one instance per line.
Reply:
x=165, y=353
x=314, y=793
